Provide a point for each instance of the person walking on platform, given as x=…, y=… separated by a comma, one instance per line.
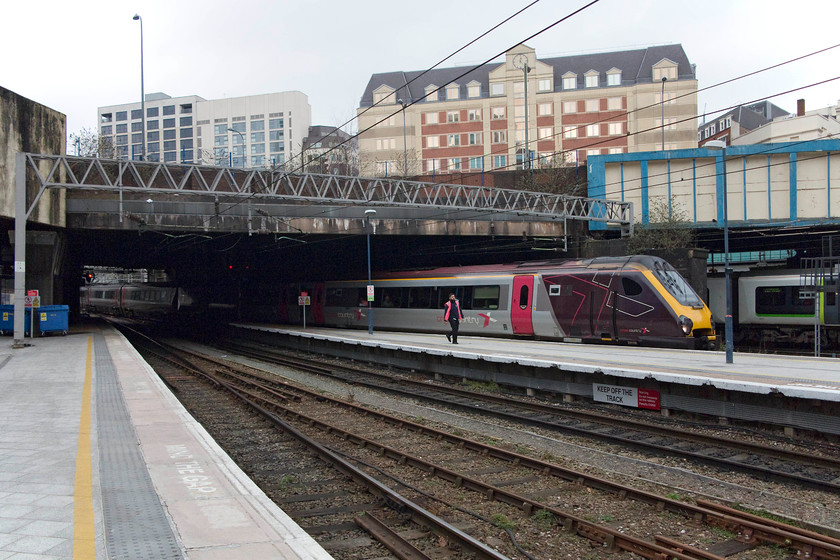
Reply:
x=454, y=316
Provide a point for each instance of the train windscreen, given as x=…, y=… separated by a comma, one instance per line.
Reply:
x=676, y=285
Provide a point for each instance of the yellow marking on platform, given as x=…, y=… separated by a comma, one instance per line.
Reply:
x=84, y=534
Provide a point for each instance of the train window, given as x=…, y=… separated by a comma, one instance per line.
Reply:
x=523, y=297
x=419, y=298
x=631, y=287
x=676, y=284
x=390, y=297
x=782, y=300
x=485, y=297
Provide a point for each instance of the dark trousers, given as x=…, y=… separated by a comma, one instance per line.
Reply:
x=454, y=334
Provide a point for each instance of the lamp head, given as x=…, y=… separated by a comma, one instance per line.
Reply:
x=715, y=145
x=369, y=212
x=136, y=17
x=664, y=78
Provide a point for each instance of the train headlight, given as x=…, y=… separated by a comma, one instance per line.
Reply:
x=686, y=324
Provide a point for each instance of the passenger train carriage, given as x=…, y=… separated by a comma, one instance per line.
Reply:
x=133, y=300
x=633, y=300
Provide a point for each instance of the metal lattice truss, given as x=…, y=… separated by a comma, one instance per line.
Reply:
x=70, y=172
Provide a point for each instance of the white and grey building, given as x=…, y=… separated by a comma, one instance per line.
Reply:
x=253, y=131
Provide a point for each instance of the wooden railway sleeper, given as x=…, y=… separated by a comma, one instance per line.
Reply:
x=401, y=548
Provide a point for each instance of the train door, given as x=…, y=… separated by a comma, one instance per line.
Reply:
x=520, y=305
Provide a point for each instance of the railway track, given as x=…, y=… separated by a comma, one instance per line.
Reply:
x=763, y=461
x=387, y=444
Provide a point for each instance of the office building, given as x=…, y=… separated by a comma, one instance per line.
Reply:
x=253, y=131
x=475, y=119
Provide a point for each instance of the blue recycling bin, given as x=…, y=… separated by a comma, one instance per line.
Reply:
x=53, y=318
x=7, y=320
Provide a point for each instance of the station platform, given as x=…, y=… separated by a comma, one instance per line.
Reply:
x=800, y=392
x=99, y=460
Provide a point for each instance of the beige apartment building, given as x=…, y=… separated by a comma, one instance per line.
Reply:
x=466, y=119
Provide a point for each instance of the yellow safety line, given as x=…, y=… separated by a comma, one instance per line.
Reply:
x=84, y=534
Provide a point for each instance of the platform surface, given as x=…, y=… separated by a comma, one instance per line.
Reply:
x=794, y=376
x=99, y=460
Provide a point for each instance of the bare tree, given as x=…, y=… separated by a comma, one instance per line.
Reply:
x=668, y=228
x=87, y=143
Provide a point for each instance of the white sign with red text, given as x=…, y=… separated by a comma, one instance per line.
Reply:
x=626, y=396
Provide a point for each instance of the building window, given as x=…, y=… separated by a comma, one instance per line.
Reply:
x=170, y=157
x=257, y=148
x=186, y=144
x=153, y=136
x=105, y=117
x=544, y=109
x=152, y=125
x=257, y=137
x=570, y=132
x=275, y=135
x=257, y=125
x=570, y=81
x=220, y=141
x=106, y=130
x=453, y=140
x=570, y=157
x=169, y=134
x=452, y=92
x=275, y=147
x=499, y=162
x=591, y=80
x=238, y=127
x=137, y=138
x=169, y=109
x=258, y=161
x=616, y=150
x=475, y=162
x=545, y=133
x=669, y=72
x=453, y=116
x=474, y=138
x=593, y=130
x=544, y=84
x=136, y=114
x=152, y=111
x=122, y=128
x=382, y=96
x=431, y=118
x=168, y=123
x=499, y=136
x=455, y=164
x=570, y=107
x=136, y=127
x=613, y=78
x=497, y=88
x=186, y=133
x=473, y=90
x=274, y=124
x=614, y=103
x=433, y=141
x=122, y=115
x=616, y=128
x=546, y=159
x=186, y=109
x=474, y=115
x=593, y=105
x=186, y=121
x=431, y=93
x=220, y=129
x=169, y=145
x=386, y=143
x=153, y=147
x=594, y=152
x=497, y=113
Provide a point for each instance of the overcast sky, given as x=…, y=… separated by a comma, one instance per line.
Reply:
x=76, y=56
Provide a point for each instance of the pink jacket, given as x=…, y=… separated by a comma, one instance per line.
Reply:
x=448, y=307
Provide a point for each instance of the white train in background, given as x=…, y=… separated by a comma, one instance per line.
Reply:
x=777, y=308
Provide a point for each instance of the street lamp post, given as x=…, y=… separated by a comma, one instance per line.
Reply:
x=728, y=331
x=405, y=145
x=142, y=92
x=368, y=214
x=244, y=150
x=521, y=61
x=664, y=79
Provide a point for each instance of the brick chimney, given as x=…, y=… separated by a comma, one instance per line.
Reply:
x=800, y=107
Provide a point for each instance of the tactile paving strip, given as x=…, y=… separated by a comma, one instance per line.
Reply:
x=136, y=526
